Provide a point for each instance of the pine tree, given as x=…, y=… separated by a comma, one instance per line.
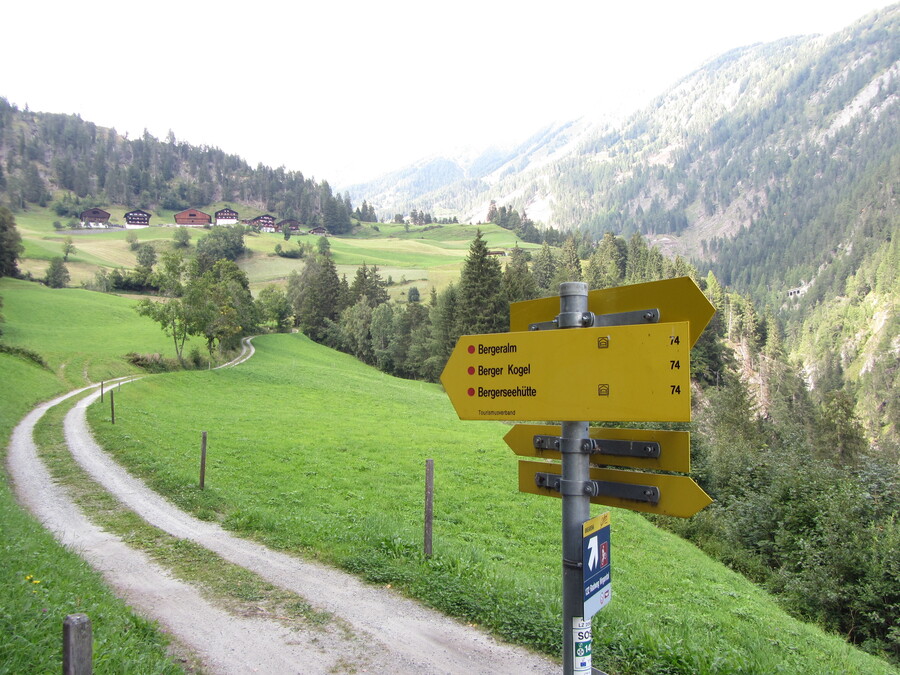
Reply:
x=10, y=244
x=443, y=336
x=544, y=268
x=636, y=262
x=57, y=275
x=319, y=298
x=482, y=307
x=518, y=282
x=569, y=264
x=606, y=267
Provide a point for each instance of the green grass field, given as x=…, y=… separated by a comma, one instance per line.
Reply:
x=427, y=256
x=43, y=581
x=311, y=451
x=82, y=335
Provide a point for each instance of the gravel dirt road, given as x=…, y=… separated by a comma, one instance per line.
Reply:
x=375, y=631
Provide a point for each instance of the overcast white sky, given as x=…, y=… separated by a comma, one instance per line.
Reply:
x=345, y=90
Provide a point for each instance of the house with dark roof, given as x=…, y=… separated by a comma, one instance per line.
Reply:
x=290, y=224
x=95, y=218
x=265, y=223
x=227, y=216
x=193, y=218
x=137, y=218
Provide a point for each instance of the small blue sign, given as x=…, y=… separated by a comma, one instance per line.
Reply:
x=595, y=559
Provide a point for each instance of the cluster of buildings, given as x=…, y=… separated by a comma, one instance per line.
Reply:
x=96, y=217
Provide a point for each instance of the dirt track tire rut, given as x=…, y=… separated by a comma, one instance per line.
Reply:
x=389, y=633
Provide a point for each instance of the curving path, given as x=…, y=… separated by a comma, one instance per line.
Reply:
x=379, y=631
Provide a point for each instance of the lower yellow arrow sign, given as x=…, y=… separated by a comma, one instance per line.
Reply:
x=678, y=495
x=674, y=446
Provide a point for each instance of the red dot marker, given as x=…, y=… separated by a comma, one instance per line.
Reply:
x=471, y=349
x=471, y=391
x=471, y=370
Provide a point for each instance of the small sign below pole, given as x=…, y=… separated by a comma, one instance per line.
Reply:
x=595, y=560
x=582, y=641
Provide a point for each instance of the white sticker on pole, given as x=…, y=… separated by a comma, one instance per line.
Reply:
x=581, y=637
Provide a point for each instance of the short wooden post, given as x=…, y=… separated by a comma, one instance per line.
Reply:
x=77, y=648
x=202, y=459
x=112, y=405
x=429, y=504
x=101, y=392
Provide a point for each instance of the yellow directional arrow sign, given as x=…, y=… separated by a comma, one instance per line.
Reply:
x=632, y=373
x=677, y=495
x=676, y=299
x=674, y=446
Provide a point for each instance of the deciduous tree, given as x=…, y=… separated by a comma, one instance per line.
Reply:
x=68, y=248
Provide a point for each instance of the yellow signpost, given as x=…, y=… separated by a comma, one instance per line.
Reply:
x=631, y=373
x=676, y=495
x=618, y=354
x=676, y=299
x=673, y=448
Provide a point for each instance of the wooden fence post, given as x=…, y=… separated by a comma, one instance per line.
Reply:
x=112, y=405
x=429, y=505
x=77, y=648
x=202, y=459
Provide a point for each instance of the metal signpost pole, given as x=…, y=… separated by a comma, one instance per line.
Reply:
x=591, y=375
x=576, y=506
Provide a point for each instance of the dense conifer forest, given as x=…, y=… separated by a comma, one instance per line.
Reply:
x=70, y=164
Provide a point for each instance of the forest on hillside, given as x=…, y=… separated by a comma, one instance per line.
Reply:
x=70, y=164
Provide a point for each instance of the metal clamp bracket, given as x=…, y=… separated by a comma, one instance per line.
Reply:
x=597, y=488
x=624, y=448
x=603, y=446
x=589, y=319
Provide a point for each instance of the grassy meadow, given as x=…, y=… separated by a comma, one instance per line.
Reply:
x=425, y=256
x=83, y=336
x=313, y=452
x=79, y=335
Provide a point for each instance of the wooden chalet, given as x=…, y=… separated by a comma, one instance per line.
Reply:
x=227, y=216
x=137, y=218
x=289, y=223
x=319, y=230
x=265, y=223
x=193, y=218
x=95, y=218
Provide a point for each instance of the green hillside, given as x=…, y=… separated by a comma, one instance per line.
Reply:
x=83, y=336
x=311, y=451
x=79, y=335
x=426, y=256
